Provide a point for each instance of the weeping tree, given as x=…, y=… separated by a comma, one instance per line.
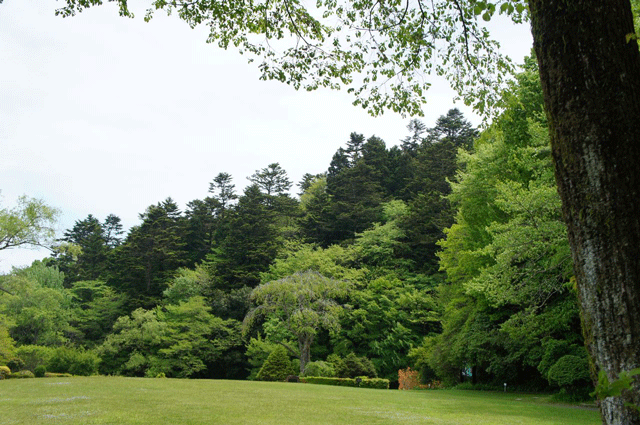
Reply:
x=304, y=302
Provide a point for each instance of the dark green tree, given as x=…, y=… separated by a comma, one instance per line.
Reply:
x=307, y=180
x=150, y=254
x=433, y=166
x=272, y=180
x=224, y=193
x=112, y=230
x=251, y=244
x=411, y=143
x=89, y=236
x=355, y=184
x=223, y=190
x=202, y=225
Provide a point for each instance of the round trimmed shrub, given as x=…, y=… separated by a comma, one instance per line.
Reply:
x=277, y=366
x=4, y=372
x=569, y=371
x=40, y=371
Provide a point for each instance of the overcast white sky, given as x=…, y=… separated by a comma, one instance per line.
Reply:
x=101, y=114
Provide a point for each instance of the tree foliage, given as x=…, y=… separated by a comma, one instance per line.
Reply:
x=305, y=302
x=507, y=255
x=30, y=223
x=393, y=46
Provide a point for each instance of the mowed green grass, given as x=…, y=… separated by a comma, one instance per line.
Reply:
x=119, y=401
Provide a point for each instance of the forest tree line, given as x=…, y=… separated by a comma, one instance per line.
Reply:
x=447, y=253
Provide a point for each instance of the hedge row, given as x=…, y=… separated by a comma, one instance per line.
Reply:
x=378, y=383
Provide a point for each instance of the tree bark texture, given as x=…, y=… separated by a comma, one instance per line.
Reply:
x=590, y=77
x=304, y=344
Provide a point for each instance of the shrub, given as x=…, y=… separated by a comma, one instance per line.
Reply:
x=569, y=371
x=34, y=356
x=74, y=361
x=40, y=371
x=16, y=364
x=257, y=352
x=337, y=363
x=22, y=374
x=352, y=366
x=319, y=368
x=57, y=375
x=363, y=382
x=408, y=379
x=277, y=366
x=571, y=374
x=4, y=372
x=376, y=383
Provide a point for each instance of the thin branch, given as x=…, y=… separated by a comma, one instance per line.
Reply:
x=6, y=290
x=465, y=32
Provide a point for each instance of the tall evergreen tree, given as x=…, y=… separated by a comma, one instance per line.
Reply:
x=434, y=165
x=411, y=143
x=201, y=227
x=112, y=229
x=150, y=254
x=93, y=242
x=223, y=190
x=356, y=185
x=272, y=180
x=251, y=244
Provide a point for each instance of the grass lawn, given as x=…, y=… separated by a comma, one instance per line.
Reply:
x=120, y=401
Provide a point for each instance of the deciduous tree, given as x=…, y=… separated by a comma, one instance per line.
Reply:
x=305, y=302
x=30, y=223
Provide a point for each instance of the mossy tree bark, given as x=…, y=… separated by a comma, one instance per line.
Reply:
x=590, y=72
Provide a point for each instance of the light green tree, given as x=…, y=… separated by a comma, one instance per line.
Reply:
x=179, y=340
x=37, y=307
x=305, y=302
x=31, y=223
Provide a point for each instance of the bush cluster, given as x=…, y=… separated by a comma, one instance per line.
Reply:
x=16, y=364
x=74, y=361
x=22, y=374
x=40, y=371
x=361, y=382
x=62, y=360
x=32, y=356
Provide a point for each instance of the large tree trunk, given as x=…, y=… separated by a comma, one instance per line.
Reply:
x=304, y=344
x=591, y=82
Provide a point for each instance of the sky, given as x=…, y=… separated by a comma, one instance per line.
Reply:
x=107, y=115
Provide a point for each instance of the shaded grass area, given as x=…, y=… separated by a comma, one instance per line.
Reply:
x=112, y=400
